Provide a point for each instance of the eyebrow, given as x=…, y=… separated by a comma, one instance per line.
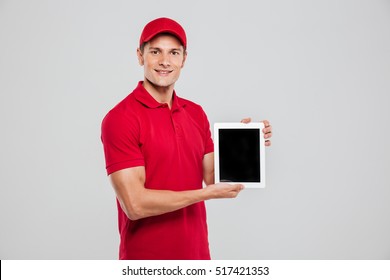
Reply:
x=159, y=49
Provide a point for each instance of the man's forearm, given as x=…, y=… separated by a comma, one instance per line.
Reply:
x=139, y=202
x=150, y=202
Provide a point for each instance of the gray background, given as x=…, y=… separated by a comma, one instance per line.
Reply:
x=318, y=70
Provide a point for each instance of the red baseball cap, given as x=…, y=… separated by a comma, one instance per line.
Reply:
x=163, y=25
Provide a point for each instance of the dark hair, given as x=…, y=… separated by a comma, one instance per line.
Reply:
x=142, y=47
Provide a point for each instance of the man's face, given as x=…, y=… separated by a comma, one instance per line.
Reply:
x=162, y=58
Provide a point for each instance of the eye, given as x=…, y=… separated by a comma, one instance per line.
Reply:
x=175, y=52
x=154, y=52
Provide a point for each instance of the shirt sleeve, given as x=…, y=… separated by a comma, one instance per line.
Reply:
x=120, y=137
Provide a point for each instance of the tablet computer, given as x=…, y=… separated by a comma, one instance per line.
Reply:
x=239, y=154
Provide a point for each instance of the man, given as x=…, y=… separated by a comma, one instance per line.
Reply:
x=158, y=150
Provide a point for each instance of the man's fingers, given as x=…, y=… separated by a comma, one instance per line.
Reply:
x=228, y=190
x=236, y=189
x=266, y=123
x=267, y=131
x=246, y=120
x=232, y=187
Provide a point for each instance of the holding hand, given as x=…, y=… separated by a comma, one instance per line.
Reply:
x=223, y=190
x=267, y=130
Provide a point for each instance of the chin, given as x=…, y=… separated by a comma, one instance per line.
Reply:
x=163, y=83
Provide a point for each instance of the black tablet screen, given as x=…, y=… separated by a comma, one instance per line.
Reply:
x=239, y=155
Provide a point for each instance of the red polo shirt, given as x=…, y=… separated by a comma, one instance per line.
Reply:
x=170, y=143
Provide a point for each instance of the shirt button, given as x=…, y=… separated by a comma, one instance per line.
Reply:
x=178, y=130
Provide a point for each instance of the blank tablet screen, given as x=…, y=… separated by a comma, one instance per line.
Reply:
x=239, y=155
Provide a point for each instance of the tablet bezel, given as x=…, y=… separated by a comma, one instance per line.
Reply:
x=252, y=125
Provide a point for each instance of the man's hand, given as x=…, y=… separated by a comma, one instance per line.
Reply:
x=223, y=190
x=267, y=130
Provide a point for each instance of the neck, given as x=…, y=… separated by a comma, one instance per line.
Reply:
x=159, y=93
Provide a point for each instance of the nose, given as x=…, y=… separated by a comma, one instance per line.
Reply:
x=164, y=60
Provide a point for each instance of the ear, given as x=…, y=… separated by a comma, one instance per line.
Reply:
x=184, y=59
x=140, y=57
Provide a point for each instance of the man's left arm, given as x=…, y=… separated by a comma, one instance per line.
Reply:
x=208, y=168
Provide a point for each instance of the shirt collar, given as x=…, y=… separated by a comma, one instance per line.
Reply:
x=144, y=97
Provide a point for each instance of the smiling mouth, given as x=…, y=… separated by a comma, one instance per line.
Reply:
x=163, y=72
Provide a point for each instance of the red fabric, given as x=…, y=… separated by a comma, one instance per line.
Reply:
x=171, y=144
x=163, y=25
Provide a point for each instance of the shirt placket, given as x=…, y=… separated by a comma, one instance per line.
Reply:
x=176, y=123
